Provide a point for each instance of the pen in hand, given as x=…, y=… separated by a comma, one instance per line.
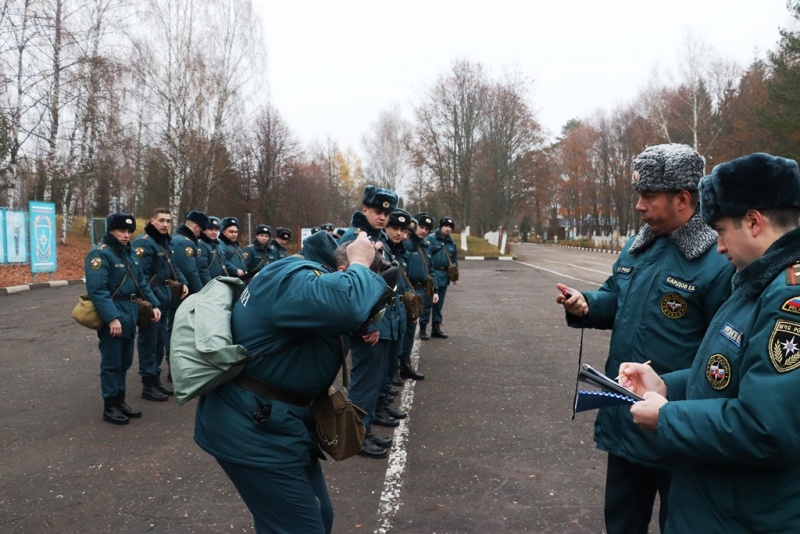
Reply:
x=648, y=362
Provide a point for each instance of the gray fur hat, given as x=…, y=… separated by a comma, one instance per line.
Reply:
x=757, y=181
x=670, y=167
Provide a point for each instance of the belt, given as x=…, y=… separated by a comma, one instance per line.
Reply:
x=126, y=298
x=271, y=392
x=441, y=268
x=421, y=285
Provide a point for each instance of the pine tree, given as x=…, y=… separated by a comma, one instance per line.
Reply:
x=782, y=116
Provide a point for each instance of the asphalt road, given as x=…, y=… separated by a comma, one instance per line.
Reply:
x=489, y=445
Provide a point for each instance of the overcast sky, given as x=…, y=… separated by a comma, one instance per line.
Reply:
x=334, y=65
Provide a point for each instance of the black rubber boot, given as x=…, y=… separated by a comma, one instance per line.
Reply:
x=150, y=390
x=406, y=371
x=112, y=413
x=130, y=412
x=163, y=388
x=423, y=331
x=436, y=331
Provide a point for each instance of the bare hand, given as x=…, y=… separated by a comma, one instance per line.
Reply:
x=156, y=315
x=372, y=338
x=115, y=328
x=361, y=251
x=645, y=413
x=641, y=378
x=185, y=292
x=575, y=304
x=435, y=298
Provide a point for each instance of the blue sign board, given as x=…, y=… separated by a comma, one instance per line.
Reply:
x=43, y=236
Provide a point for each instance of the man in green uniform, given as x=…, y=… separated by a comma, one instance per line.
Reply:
x=370, y=350
x=210, y=264
x=278, y=245
x=257, y=254
x=154, y=250
x=731, y=425
x=664, y=289
x=444, y=253
x=229, y=247
x=113, y=281
x=265, y=441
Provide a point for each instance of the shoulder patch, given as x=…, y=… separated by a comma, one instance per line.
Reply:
x=621, y=269
x=793, y=275
x=245, y=255
x=139, y=252
x=318, y=273
x=792, y=305
x=96, y=263
x=718, y=372
x=189, y=251
x=784, y=346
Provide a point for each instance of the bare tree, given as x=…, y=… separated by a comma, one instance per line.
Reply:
x=447, y=133
x=387, y=159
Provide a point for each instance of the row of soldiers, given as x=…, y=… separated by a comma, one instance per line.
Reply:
x=173, y=266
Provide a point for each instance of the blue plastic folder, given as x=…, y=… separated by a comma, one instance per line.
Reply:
x=610, y=393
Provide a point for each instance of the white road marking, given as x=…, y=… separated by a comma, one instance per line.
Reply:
x=395, y=471
x=556, y=272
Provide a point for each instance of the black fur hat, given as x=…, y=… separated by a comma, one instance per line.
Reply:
x=198, y=217
x=120, y=221
x=757, y=181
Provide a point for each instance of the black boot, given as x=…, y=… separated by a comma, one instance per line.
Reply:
x=130, y=412
x=380, y=441
x=397, y=380
x=384, y=419
x=150, y=391
x=389, y=411
x=406, y=371
x=112, y=413
x=370, y=450
x=166, y=390
x=436, y=331
x=423, y=331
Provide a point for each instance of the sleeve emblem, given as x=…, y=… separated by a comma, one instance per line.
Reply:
x=96, y=263
x=718, y=372
x=784, y=346
x=189, y=251
x=139, y=252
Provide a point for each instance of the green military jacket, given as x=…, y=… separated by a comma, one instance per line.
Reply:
x=732, y=426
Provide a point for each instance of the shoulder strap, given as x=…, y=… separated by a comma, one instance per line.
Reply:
x=422, y=255
x=405, y=276
x=169, y=261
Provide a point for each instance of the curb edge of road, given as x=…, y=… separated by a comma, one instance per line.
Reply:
x=589, y=249
x=39, y=285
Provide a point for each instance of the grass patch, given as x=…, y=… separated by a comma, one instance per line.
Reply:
x=477, y=246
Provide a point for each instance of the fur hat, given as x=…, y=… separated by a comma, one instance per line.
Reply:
x=198, y=217
x=424, y=220
x=320, y=248
x=379, y=198
x=399, y=219
x=283, y=233
x=757, y=181
x=227, y=222
x=213, y=223
x=264, y=229
x=447, y=221
x=670, y=167
x=120, y=221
